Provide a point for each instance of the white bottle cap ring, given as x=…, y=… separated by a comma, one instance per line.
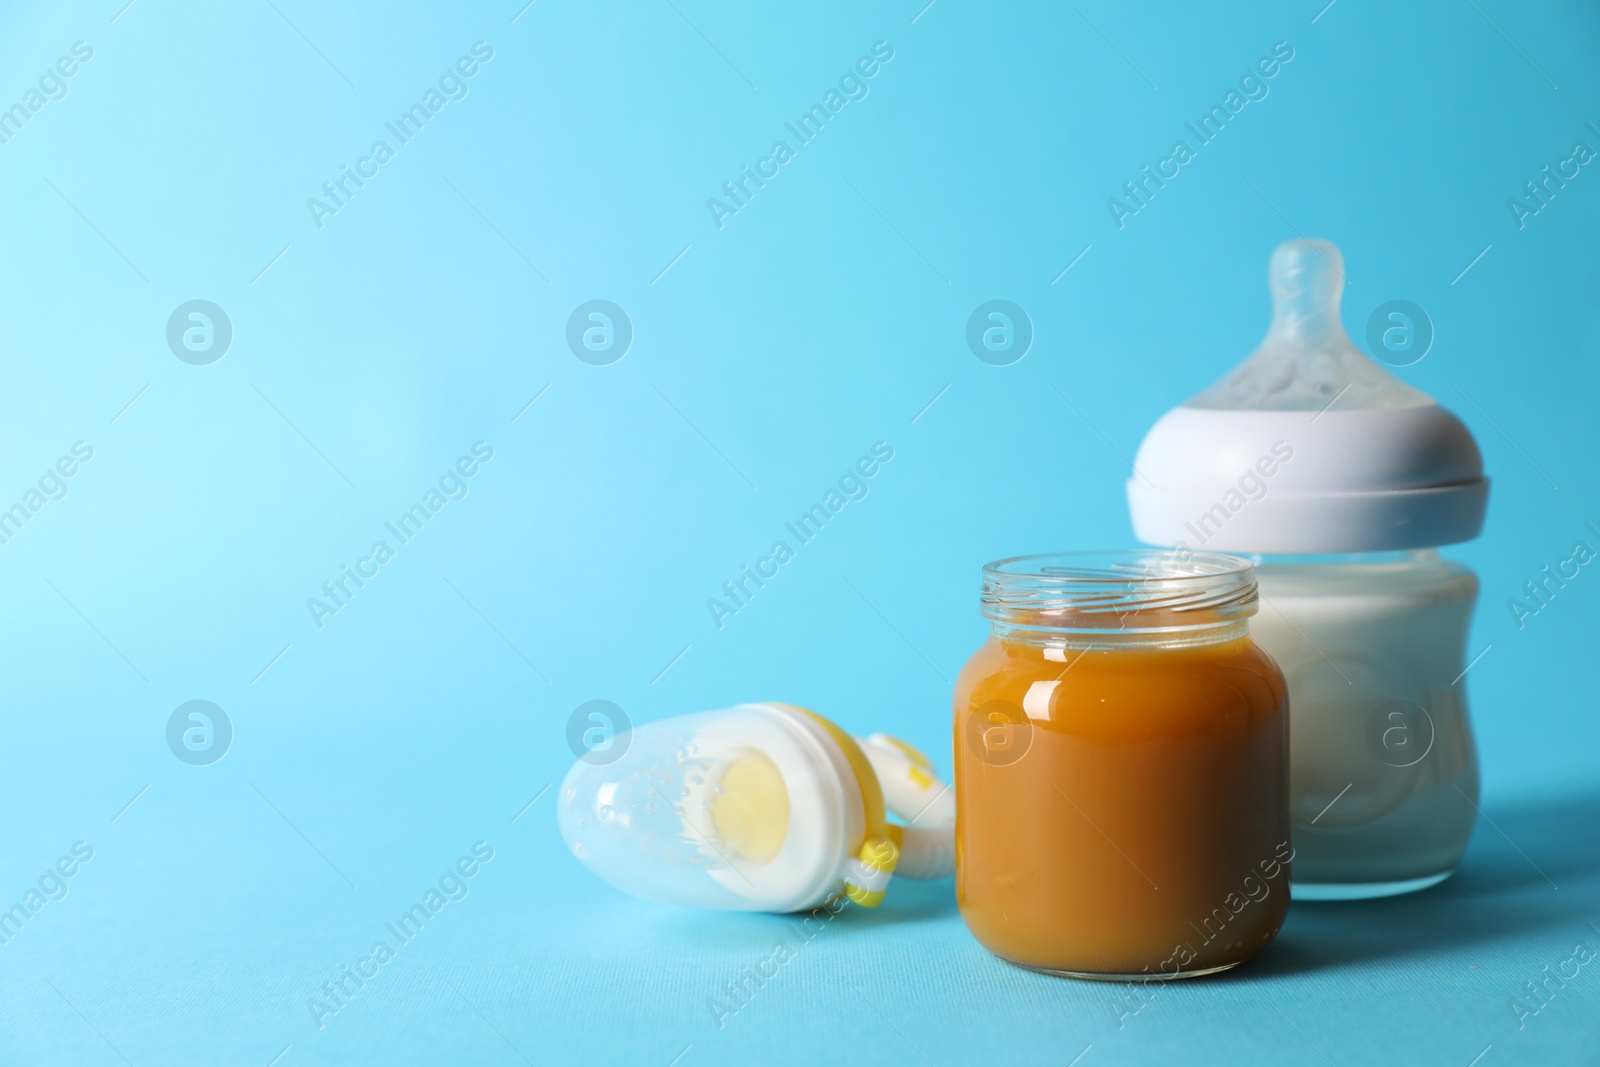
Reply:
x=1309, y=446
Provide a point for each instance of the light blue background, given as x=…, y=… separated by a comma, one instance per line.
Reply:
x=823, y=317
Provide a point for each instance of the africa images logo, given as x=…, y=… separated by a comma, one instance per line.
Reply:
x=852, y=86
x=199, y=332
x=453, y=484
x=1253, y=87
x=452, y=85
x=51, y=86
x=199, y=733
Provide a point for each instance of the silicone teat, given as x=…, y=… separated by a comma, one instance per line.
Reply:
x=760, y=807
x=1307, y=280
x=1307, y=361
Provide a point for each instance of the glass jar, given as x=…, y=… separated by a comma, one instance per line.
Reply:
x=1121, y=767
x=1384, y=776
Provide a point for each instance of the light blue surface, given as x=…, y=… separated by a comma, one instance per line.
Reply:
x=768, y=354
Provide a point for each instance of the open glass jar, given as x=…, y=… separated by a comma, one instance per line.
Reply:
x=1121, y=767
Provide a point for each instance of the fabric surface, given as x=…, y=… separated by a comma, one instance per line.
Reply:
x=396, y=458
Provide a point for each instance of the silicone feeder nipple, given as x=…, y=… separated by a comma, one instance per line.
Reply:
x=759, y=807
x=1307, y=360
x=698, y=811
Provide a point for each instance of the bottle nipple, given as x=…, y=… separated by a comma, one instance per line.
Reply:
x=1307, y=279
x=1307, y=361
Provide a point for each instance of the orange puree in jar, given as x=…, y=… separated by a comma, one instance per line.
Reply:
x=1121, y=768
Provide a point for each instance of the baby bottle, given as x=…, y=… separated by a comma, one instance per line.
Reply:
x=1340, y=481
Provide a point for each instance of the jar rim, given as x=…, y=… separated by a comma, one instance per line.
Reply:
x=1132, y=590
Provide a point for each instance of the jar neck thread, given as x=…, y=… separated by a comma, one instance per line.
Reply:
x=1148, y=596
